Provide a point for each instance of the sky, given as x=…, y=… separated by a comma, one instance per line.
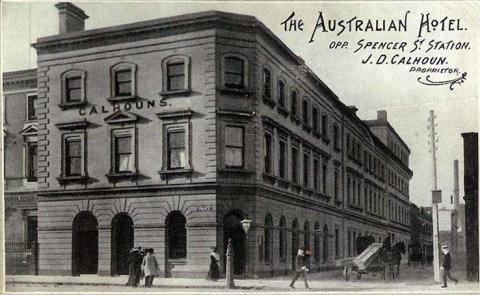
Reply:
x=370, y=87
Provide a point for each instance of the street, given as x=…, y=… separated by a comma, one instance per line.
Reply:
x=411, y=281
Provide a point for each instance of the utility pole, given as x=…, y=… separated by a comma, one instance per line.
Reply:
x=436, y=197
x=456, y=196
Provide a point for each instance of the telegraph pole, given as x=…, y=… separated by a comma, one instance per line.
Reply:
x=436, y=197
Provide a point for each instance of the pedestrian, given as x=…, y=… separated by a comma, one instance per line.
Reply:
x=150, y=267
x=300, y=268
x=446, y=266
x=214, y=270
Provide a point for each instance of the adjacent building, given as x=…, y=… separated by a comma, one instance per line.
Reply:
x=421, y=230
x=169, y=133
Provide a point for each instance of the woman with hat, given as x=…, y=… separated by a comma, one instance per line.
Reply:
x=214, y=270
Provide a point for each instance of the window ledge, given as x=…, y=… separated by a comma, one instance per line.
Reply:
x=122, y=98
x=308, y=190
x=72, y=179
x=338, y=202
x=112, y=177
x=354, y=207
x=165, y=173
x=270, y=178
x=325, y=139
x=72, y=105
x=316, y=134
x=177, y=261
x=295, y=119
x=269, y=101
x=236, y=170
x=183, y=92
x=283, y=183
x=296, y=187
x=323, y=197
x=282, y=110
x=306, y=127
x=236, y=91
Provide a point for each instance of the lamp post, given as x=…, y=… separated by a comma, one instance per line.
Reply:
x=246, y=223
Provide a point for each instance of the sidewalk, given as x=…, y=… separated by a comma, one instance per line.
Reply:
x=411, y=280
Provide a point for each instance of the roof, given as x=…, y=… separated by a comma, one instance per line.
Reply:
x=24, y=78
x=379, y=123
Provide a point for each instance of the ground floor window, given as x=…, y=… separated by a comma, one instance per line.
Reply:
x=176, y=235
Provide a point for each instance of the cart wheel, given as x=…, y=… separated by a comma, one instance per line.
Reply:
x=359, y=276
x=346, y=275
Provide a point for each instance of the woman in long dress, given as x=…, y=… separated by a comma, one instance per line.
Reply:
x=150, y=267
x=214, y=270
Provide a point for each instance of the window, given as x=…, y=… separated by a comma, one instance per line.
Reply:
x=324, y=178
x=267, y=153
x=306, y=170
x=305, y=112
x=73, y=157
x=282, y=159
x=348, y=190
x=306, y=236
x=268, y=237
x=282, y=239
x=336, y=144
x=294, y=103
x=176, y=74
x=234, y=72
x=234, y=147
x=295, y=165
x=315, y=119
x=336, y=184
x=281, y=94
x=316, y=175
x=176, y=156
x=123, y=153
x=73, y=88
x=316, y=242
x=267, y=83
x=123, y=81
x=325, y=244
x=31, y=161
x=324, y=126
x=31, y=230
x=176, y=235
x=31, y=113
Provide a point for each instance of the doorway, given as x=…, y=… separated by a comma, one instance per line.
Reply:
x=232, y=228
x=85, y=244
x=122, y=243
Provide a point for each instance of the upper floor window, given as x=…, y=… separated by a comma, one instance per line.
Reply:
x=336, y=137
x=315, y=119
x=73, y=88
x=235, y=72
x=305, y=112
x=123, y=151
x=31, y=161
x=294, y=103
x=123, y=80
x=268, y=153
x=316, y=174
x=281, y=94
x=176, y=74
x=31, y=113
x=295, y=165
x=176, y=149
x=282, y=159
x=73, y=156
x=267, y=83
x=234, y=147
x=306, y=170
x=324, y=125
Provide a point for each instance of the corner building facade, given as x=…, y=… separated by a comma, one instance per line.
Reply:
x=168, y=133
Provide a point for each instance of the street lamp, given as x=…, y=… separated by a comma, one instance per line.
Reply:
x=246, y=223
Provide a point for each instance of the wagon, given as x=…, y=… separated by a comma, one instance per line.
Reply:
x=369, y=261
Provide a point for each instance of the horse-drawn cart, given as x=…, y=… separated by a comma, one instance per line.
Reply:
x=370, y=261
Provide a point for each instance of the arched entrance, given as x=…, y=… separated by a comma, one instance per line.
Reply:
x=85, y=244
x=232, y=228
x=122, y=242
x=175, y=240
x=295, y=245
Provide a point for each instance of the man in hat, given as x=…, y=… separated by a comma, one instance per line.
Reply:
x=446, y=266
x=300, y=268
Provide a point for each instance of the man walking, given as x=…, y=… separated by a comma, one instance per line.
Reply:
x=446, y=266
x=300, y=268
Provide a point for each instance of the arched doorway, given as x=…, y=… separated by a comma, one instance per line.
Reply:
x=85, y=244
x=232, y=228
x=121, y=243
x=175, y=240
x=294, y=242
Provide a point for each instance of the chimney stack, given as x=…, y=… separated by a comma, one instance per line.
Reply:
x=382, y=116
x=353, y=109
x=71, y=18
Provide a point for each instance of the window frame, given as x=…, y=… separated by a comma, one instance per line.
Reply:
x=74, y=136
x=295, y=166
x=285, y=169
x=245, y=78
x=115, y=133
x=28, y=116
x=123, y=66
x=268, y=152
x=283, y=105
x=173, y=127
x=306, y=112
x=31, y=177
x=226, y=146
x=267, y=85
x=174, y=59
x=294, y=104
x=75, y=73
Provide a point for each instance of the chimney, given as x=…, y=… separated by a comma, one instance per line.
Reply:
x=353, y=109
x=382, y=116
x=71, y=18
